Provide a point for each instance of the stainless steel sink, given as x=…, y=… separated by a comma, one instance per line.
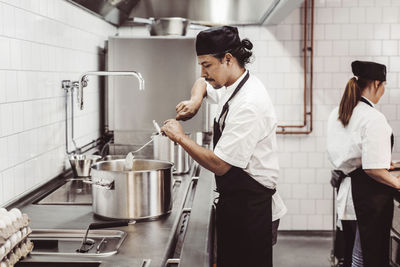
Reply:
x=66, y=242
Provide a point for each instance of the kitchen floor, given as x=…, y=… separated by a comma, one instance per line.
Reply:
x=303, y=249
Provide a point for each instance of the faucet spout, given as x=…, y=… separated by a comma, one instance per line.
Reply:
x=83, y=80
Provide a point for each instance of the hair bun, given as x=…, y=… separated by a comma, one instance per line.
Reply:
x=247, y=44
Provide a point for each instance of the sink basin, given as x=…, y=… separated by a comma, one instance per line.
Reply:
x=62, y=242
x=58, y=264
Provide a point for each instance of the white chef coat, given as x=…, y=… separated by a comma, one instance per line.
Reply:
x=248, y=140
x=365, y=142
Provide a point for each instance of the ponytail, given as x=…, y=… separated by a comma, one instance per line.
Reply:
x=242, y=53
x=351, y=97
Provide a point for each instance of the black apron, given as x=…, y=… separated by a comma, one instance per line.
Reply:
x=373, y=204
x=243, y=212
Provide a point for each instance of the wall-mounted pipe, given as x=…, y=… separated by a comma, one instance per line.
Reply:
x=308, y=115
x=69, y=88
x=83, y=80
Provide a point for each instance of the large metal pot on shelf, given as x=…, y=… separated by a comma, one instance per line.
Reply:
x=143, y=192
x=174, y=26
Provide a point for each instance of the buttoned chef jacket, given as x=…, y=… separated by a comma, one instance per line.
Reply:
x=365, y=142
x=248, y=140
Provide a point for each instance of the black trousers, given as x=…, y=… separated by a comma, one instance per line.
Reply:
x=349, y=234
x=244, y=231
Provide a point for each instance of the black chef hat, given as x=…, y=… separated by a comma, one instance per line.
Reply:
x=369, y=70
x=217, y=40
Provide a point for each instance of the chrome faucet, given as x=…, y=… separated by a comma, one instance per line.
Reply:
x=83, y=80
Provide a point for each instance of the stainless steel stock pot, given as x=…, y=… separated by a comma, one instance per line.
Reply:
x=165, y=149
x=140, y=193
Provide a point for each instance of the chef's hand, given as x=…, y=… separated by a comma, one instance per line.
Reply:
x=187, y=109
x=173, y=130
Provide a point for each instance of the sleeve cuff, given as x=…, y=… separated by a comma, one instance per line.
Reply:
x=230, y=160
x=376, y=166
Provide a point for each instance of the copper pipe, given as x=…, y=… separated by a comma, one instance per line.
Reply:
x=305, y=65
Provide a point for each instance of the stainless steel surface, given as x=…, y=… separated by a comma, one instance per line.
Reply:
x=182, y=160
x=172, y=26
x=66, y=241
x=81, y=164
x=165, y=149
x=147, y=242
x=239, y=12
x=73, y=192
x=83, y=80
x=68, y=87
x=113, y=11
x=131, y=112
x=141, y=193
x=197, y=248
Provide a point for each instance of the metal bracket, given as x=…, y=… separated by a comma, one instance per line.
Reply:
x=68, y=85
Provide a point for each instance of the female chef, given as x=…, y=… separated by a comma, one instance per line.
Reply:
x=244, y=158
x=360, y=141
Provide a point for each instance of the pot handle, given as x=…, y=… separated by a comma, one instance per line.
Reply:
x=109, y=224
x=101, y=183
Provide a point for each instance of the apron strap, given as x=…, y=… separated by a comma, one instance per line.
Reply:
x=225, y=108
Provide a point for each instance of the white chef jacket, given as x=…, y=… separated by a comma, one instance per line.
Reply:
x=248, y=140
x=365, y=142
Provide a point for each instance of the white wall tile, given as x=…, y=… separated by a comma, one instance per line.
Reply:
x=383, y=2
x=324, y=15
x=38, y=49
x=357, y=15
x=307, y=206
x=340, y=48
x=352, y=3
x=382, y=31
x=390, y=14
x=374, y=14
x=341, y=15
x=333, y=32
x=349, y=31
x=389, y=47
x=365, y=31
x=323, y=48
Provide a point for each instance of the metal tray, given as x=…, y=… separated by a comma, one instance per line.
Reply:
x=65, y=242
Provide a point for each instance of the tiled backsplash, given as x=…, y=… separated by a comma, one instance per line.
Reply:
x=43, y=42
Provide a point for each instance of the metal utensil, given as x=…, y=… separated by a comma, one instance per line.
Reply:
x=80, y=164
x=130, y=156
x=157, y=127
x=87, y=245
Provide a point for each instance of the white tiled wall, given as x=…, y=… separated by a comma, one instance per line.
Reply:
x=43, y=42
x=344, y=30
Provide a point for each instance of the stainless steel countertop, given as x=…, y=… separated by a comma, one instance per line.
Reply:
x=145, y=240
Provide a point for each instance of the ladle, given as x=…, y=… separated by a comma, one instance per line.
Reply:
x=130, y=156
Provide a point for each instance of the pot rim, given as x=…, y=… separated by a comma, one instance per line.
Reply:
x=93, y=167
